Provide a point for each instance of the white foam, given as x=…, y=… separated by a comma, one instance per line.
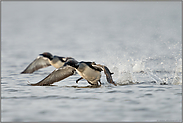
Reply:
x=177, y=80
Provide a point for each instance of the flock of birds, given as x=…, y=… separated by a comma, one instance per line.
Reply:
x=67, y=66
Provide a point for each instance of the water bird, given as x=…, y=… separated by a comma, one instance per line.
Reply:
x=44, y=60
x=89, y=71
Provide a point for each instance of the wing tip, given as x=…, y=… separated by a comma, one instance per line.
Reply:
x=38, y=84
x=114, y=83
x=25, y=72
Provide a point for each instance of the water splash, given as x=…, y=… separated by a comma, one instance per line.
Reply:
x=158, y=69
x=177, y=79
x=154, y=77
x=139, y=66
x=125, y=78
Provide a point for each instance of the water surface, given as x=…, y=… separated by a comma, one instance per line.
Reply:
x=139, y=41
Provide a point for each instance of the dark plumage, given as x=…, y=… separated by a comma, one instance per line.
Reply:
x=89, y=71
x=44, y=60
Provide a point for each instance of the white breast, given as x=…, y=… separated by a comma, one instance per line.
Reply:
x=57, y=64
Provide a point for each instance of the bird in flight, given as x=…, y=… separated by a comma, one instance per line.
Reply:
x=44, y=60
x=90, y=71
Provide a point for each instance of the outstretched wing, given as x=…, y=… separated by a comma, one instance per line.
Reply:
x=57, y=75
x=108, y=74
x=38, y=63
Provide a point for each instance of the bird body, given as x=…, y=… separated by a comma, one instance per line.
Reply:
x=44, y=60
x=57, y=61
x=87, y=70
x=91, y=75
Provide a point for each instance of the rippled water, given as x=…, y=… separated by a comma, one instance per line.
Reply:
x=139, y=41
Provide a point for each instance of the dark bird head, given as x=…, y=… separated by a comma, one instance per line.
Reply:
x=47, y=55
x=72, y=63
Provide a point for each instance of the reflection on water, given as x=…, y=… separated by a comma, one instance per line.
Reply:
x=139, y=42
